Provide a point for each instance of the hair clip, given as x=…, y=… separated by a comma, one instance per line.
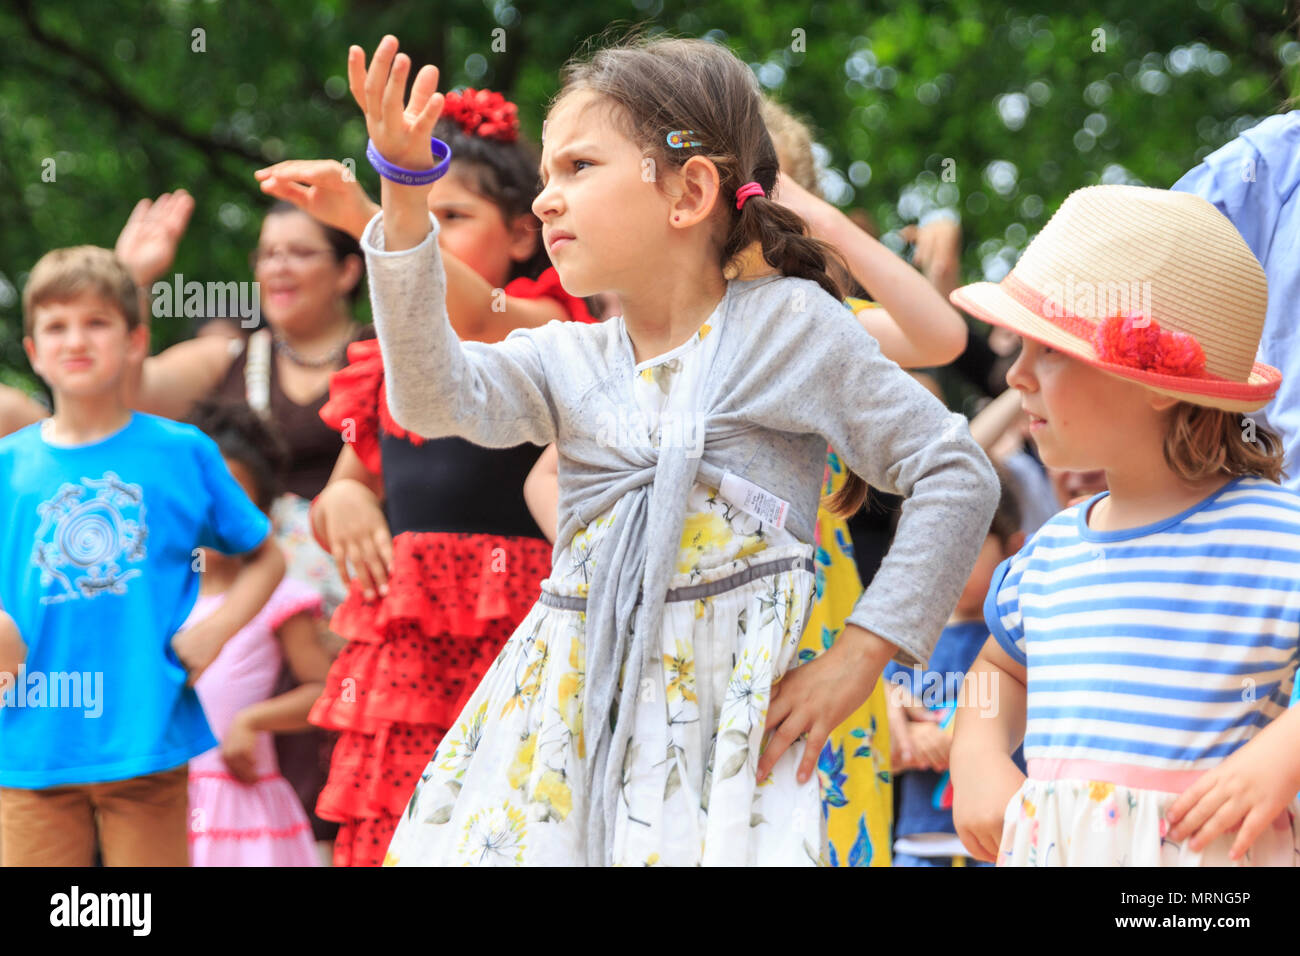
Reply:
x=677, y=139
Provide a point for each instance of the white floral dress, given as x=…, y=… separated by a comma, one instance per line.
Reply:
x=505, y=787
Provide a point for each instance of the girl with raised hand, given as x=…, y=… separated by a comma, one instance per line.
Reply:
x=434, y=538
x=623, y=721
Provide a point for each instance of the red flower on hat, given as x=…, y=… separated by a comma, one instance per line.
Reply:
x=1138, y=342
x=484, y=113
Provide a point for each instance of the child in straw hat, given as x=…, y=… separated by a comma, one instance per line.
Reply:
x=1143, y=636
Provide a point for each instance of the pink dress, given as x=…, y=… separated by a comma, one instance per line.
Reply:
x=234, y=823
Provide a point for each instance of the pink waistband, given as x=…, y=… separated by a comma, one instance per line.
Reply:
x=1126, y=775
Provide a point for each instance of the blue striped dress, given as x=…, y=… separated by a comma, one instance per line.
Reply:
x=1151, y=654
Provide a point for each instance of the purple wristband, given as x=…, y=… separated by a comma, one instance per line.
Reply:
x=411, y=177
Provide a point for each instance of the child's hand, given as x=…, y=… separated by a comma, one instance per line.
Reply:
x=902, y=712
x=930, y=746
x=979, y=802
x=238, y=749
x=1246, y=793
x=147, y=243
x=354, y=527
x=13, y=652
x=198, y=646
x=819, y=696
x=400, y=132
x=325, y=189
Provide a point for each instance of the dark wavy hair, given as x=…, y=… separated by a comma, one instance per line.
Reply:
x=244, y=436
x=660, y=85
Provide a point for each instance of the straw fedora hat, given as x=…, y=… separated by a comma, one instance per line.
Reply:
x=1150, y=285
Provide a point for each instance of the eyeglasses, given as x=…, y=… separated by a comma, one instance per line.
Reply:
x=296, y=255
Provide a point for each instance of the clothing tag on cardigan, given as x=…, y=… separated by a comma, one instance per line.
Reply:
x=750, y=498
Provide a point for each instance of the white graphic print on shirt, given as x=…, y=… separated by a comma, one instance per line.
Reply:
x=84, y=543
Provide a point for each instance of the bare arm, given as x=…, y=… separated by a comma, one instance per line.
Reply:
x=167, y=384
x=17, y=410
x=349, y=523
x=984, y=778
x=995, y=418
x=199, y=644
x=310, y=665
x=542, y=492
x=916, y=327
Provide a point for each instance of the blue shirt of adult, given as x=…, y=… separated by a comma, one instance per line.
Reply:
x=1252, y=180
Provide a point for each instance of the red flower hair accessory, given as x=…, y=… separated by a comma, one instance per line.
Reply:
x=483, y=113
x=1138, y=342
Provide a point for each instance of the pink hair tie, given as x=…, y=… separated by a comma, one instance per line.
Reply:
x=747, y=190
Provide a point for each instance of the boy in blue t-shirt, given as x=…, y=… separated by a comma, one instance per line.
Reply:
x=105, y=511
x=922, y=707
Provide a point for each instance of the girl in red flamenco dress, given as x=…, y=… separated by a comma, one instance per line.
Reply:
x=440, y=552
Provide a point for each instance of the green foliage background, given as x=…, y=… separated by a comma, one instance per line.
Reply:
x=1020, y=104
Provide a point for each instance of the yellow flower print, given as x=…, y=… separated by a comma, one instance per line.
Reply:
x=390, y=858
x=680, y=668
x=553, y=791
x=457, y=752
x=705, y=329
x=493, y=836
x=752, y=544
x=526, y=687
x=703, y=534
x=569, y=691
x=1098, y=791
x=648, y=374
x=523, y=765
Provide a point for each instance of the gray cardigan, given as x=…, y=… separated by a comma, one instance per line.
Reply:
x=793, y=371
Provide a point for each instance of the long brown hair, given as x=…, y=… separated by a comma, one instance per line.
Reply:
x=664, y=85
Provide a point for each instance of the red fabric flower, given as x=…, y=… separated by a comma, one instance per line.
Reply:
x=1139, y=342
x=483, y=113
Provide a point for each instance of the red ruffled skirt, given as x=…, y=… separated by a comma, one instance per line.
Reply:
x=413, y=658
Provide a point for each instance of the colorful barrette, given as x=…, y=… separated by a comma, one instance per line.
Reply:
x=677, y=139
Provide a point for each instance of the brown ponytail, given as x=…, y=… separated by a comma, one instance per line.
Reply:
x=661, y=85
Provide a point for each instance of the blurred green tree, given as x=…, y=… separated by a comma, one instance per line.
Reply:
x=987, y=106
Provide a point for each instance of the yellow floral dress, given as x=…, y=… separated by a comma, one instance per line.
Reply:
x=853, y=767
x=506, y=786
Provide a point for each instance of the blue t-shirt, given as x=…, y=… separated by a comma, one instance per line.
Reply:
x=1253, y=181
x=97, y=569
x=925, y=796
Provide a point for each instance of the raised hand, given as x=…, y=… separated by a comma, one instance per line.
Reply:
x=147, y=243
x=400, y=129
x=325, y=189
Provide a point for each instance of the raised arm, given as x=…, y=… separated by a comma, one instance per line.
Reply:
x=494, y=395
x=917, y=327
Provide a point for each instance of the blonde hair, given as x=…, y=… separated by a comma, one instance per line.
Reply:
x=1203, y=442
x=793, y=141
x=64, y=274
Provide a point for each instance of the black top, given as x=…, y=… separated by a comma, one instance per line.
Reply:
x=453, y=485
